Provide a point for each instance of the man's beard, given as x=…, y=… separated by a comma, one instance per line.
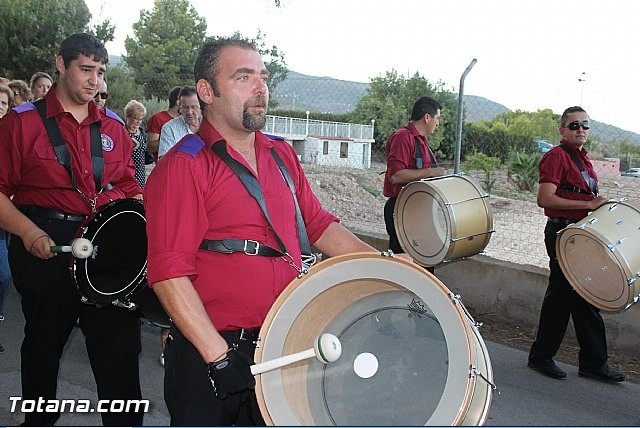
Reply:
x=255, y=121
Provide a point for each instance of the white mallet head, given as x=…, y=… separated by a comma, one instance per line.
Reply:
x=327, y=348
x=81, y=248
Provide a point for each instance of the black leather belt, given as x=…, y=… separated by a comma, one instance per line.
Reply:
x=247, y=246
x=37, y=211
x=250, y=335
x=561, y=221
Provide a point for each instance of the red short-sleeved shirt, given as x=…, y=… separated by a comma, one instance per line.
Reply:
x=401, y=154
x=157, y=120
x=557, y=167
x=193, y=195
x=31, y=173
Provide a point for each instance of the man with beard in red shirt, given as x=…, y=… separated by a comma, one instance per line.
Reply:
x=215, y=259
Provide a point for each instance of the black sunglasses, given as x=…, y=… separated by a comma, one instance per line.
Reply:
x=102, y=95
x=575, y=125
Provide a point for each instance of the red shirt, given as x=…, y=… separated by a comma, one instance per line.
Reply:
x=30, y=171
x=193, y=195
x=155, y=122
x=401, y=154
x=557, y=167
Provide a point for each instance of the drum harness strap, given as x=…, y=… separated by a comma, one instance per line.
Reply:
x=254, y=248
x=419, y=162
x=590, y=181
x=64, y=157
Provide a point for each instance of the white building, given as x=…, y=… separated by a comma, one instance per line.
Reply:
x=325, y=143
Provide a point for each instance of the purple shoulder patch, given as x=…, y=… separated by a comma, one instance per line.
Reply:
x=24, y=107
x=191, y=145
x=113, y=115
x=274, y=137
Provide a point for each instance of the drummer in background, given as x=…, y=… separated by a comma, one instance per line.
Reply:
x=48, y=208
x=405, y=164
x=218, y=299
x=567, y=195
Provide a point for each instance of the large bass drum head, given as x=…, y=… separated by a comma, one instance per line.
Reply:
x=406, y=348
x=118, y=265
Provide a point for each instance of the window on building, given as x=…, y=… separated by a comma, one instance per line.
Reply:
x=325, y=148
x=344, y=150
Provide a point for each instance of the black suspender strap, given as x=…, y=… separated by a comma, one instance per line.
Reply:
x=249, y=182
x=254, y=189
x=590, y=181
x=60, y=148
x=305, y=246
x=97, y=159
x=419, y=161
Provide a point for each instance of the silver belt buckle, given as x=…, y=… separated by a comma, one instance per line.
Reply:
x=255, y=253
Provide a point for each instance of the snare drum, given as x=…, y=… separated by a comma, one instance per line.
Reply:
x=410, y=354
x=117, y=268
x=600, y=256
x=442, y=219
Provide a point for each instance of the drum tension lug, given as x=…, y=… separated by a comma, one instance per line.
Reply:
x=125, y=304
x=475, y=373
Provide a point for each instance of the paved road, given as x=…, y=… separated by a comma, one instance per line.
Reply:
x=526, y=398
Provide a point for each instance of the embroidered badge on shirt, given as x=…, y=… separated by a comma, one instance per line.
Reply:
x=107, y=142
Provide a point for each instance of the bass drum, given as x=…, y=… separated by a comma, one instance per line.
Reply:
x=117, y=268
x=410, y=354
x=441, y=219
x=600, y=256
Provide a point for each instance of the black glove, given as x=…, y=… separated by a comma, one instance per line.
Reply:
x=231, y=375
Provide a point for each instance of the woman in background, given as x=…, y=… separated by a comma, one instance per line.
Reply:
x=21, y=92
x=40, y=84
x=134, y=113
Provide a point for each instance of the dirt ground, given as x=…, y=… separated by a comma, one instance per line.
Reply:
x=355, y=196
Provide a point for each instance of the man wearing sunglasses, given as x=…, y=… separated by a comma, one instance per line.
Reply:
x=567, y=192
x=101, y=96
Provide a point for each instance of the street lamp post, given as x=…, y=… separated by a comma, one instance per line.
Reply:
x=308, y=112
x=582, y=80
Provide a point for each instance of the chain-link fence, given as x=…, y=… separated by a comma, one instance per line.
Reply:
x=325, y=121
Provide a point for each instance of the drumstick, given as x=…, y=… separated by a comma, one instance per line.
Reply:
x=80, y=248
x=327, y=349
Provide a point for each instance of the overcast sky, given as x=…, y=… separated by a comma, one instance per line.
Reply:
x=531, y=55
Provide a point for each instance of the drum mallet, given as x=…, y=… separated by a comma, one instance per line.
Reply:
x=80, y=248
x=326, y=349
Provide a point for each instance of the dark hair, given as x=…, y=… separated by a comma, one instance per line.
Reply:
x=174, y=93
x=567, y=112
x=206, y=66
x=425, y=105
x=187, y=91
x=82, y=44
x=37, y=75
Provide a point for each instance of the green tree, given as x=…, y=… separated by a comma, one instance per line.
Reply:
x=122, y=88
x=164, y=47
x=487, y=164
x=32, y=30
x=389, y=100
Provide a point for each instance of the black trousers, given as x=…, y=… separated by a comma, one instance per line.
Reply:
x=560, y=302
x=51, y=305
x=394, y=243
x=188, y=392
